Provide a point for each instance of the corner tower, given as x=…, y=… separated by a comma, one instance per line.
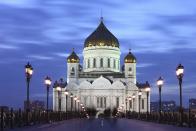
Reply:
x=72, y=67
x=101, y=51
x=130, y=67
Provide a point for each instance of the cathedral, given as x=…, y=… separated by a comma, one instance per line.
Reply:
x=100, y=82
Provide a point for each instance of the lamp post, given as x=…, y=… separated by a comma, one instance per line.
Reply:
x=75, y=100
x=48, y=82
x=71, y=96
x=126, y=101
x=160, y=84
x=133, y=101
x=180, y=74
x=59, y=89
x=66, y=97
x=29, y=73
x=130, y=103
x=139, y=94
x=78, y=101
x=147, y=89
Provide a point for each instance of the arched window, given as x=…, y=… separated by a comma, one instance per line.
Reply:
x=72, y=71
x=114, y=63
x=117, y=102
x=142, y=103
x=108, y=62
x=94, y=63
x=88, y=63
x=101, y=62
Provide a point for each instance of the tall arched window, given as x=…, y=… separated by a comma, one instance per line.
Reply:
x=101, y=62
x=108, y=62
x=94, y=63
x=88, y=63
x=72, y=71
x=114, y=64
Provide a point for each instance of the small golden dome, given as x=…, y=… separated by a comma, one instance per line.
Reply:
x=73, y=58
x=130, y=58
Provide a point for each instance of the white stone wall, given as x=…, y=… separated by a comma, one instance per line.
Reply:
x=98, y=53
x=101, y=87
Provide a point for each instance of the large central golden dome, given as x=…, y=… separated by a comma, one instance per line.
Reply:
x=101, y=37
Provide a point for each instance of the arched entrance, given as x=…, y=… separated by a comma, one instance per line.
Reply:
x=99, y=114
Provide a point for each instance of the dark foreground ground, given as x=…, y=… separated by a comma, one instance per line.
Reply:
x=105, y=125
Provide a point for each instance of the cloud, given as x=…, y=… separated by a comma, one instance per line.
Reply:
x=9, y=47
x=40, y=57
x=66, y=54
x=19, y=3
x=143, y=65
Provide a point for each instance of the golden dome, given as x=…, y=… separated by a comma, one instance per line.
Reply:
x=101, y=37
x=73, y=58
x=130, y=58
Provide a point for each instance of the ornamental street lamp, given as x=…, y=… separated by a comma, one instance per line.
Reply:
x=180, y=74
x=78, y=101
x=133, y=101
x=126, y=101
x=75, y=100
x=66, y=95
x=71, y=96
x=147, y=89
x=48, y=82
x=160, y=84
x=139, y=94
x=59, y=89
x=129, y=103
x=28, y=73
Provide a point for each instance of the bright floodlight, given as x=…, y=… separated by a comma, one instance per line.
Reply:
x=58, y=88
x=160, y=82
x=180, y=70
x=48, y=81
x=140, y=93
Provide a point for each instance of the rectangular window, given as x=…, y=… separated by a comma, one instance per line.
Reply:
x=142, y=103
x=97, y=102
x=101, y=105
x=130, y=103
x=104, y=102
x=108, y=62
x=94, y=63
x=101, y=62
x=117, y=102
x=114, y=64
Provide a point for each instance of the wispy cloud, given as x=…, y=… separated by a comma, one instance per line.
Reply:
x=9, y=47
x=66, y=54
x=143, y=65
x=40, y=57
x=19, y=3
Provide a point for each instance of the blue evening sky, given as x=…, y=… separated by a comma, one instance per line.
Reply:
x=161, y=34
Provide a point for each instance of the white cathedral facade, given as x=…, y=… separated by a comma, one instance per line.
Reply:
x=101, y=83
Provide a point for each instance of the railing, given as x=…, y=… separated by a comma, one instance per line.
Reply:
x=16, y=119
x=173, y=118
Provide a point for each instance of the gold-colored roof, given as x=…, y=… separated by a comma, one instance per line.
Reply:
x=101, y=37
x=130, y=58
x=73, y=58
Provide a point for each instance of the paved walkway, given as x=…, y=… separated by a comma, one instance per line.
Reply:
x=106, y=125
